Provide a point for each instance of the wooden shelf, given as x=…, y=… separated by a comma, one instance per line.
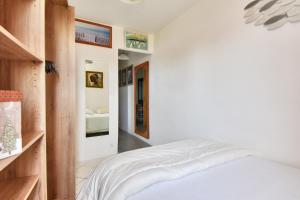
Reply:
x=22, y=58
x=18, y=188
x=12, y=49
x=28, y=140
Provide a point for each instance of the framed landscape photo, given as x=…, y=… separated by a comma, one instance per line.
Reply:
x=136, y=40
x=130, y=75
x=94, y=79
x=93, y=33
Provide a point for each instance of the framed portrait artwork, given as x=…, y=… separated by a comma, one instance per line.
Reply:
x=130, y=75
x=94, y=79
x=91, y=33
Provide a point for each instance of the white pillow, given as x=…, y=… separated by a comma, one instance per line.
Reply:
x=102, y=110
x=88, y=111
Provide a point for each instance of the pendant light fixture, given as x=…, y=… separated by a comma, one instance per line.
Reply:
x=123, y=57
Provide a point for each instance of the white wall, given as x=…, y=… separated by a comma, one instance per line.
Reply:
x=126, y=108
x=214, y=76
x=95, y=147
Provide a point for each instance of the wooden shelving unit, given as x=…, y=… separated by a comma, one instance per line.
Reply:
x=11, y=48
x=28, y=141
x=22, y=68
x=61, y=95
x=18, y=188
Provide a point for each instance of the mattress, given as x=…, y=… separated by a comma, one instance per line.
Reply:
x=249, y=178
x=91, y=116
x=123, y=175
x=97, y=123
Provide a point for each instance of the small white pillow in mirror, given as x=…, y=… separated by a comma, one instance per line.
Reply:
x=102, y=110
x=88, y=111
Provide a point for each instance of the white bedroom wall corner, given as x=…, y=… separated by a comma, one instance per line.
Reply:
x=230, y=81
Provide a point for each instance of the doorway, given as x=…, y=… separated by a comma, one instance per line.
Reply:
x=131, y=108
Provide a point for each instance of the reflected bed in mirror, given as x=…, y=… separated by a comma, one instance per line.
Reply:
x=97, y=124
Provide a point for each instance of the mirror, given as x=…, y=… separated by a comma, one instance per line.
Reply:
x=97, y=101
x=141, y=90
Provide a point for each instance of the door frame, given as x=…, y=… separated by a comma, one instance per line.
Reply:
x=144, y=66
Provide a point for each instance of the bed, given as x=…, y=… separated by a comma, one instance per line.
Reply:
x=191, y=170
x=96, y=123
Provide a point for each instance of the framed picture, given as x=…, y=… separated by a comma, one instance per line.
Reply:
x=94, y=79
x=120, y=78
x=130, y=75
x=136, y=40
x=10, y=123
x=92, y=33
x=124, y=77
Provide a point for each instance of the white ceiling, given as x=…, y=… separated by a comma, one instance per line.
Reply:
x=149, y=16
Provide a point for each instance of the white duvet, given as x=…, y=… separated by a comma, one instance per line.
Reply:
x=125, y=174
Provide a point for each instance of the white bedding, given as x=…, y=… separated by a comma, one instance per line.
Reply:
x=97, y=123
x=126, y=174
x=249, y=178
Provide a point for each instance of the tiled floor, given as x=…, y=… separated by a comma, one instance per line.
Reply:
x=127, y=142
x=84, y=170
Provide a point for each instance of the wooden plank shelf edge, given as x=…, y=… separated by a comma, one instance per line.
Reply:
x=12, y=49
x=18, y=188
x=28, y=141
x=60, y=2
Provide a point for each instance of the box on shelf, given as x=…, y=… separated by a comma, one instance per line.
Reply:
x=10, y=123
